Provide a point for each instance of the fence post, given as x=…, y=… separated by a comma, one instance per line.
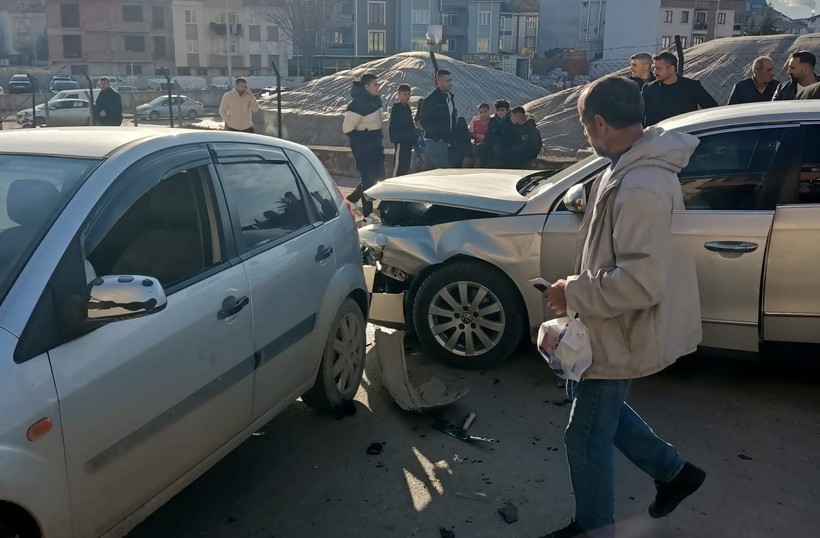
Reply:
x=170, y=97
x=33, y=101
x=134, y=106
x=278, y=100
x=679, y=50
x=90, y=98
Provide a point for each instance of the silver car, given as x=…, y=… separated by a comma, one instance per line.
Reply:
x=181, y=105
x=61, y=113
x=452, y=258
x=163, y=295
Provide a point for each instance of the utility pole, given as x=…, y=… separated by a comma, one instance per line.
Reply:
x=228, y=40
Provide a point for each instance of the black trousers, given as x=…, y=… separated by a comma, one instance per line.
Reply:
x=404, y=152
x=370, y=164
x=248, y=130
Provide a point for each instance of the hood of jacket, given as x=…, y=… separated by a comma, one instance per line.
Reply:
x=669, y=150
x=362, y=102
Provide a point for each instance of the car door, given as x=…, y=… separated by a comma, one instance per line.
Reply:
x=791, y=304
x=145, y=400
x=60, y=115
x=288, y=255
x=78, y=113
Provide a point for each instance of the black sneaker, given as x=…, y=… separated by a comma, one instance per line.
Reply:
x=670, y=494
x=573, y=530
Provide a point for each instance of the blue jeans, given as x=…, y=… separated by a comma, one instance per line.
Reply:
x=600, y=421
x=437, y=153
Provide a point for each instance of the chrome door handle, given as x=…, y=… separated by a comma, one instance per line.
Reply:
x=732, y=247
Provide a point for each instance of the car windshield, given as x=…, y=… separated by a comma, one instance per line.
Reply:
x=33, y=191
x=158, y=101
x=19, y=78
x=537, y=183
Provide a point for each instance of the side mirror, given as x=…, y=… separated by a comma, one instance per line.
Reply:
x=576, y=199
x=120, y=297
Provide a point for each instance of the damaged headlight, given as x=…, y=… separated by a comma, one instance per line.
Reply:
x=372, y=246
x=392, y=272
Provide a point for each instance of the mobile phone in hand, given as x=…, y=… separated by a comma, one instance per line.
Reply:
x=540, y=284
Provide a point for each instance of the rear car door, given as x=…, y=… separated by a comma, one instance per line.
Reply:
x=791, y=303
x=288, y=255
x=145, y=400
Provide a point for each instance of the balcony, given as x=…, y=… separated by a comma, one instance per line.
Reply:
x=700, y=27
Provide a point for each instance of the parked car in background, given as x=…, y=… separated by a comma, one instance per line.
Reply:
x=188, y=301
x=161, y=85
x=457, y=247
x=60, y=83
x=61, y=113
x=75, y=94
x=114, y=80
x=182, y=107
x=2, y=91
x=20, y=84
x=126, y=89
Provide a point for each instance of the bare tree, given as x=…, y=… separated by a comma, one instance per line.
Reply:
x=302, y=22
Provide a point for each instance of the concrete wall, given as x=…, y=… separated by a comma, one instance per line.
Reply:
x=14, y=103
x=622, y=39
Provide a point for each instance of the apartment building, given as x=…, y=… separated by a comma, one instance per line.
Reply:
x=209, y=37
x=23, y=38
x=578, y=25
x=120, y=37
x=698, y=21
x=519, y=27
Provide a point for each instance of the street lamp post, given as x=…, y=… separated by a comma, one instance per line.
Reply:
x=228, y=38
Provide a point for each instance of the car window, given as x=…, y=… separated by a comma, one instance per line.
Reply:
x=167, y=234
x=727, y=170
x=319, y=195
x=809, y=189
x=33, y=190
x=266, y=198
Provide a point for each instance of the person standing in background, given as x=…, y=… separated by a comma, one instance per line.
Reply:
x=237, y=108
x=801, y=75
x=672, y=94
x=402, y=131
x=640, y=67
x=757, y=88
x=499, y=136
x=811, y=92
x=438, y=117
x=108, y=107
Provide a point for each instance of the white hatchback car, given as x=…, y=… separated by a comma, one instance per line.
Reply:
x=162, y=296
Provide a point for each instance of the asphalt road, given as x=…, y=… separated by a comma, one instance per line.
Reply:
x=755, y=427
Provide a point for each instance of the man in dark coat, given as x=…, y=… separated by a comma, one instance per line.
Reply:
x=757, y=88
x=108, y=107
x=438, y=117
x=671, y=94
x=801, y=76
x=640, y=69
x=526, y=140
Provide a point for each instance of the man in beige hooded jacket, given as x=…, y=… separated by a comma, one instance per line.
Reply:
x=637, y=293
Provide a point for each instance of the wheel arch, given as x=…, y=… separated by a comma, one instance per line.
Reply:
x=21, y=518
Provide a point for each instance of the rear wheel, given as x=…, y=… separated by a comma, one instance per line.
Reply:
x=342, y=362
x=153, y=116
x=192, y=115
x=469, y=314
x=16, y=523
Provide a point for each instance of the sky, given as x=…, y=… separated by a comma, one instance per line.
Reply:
x=797, y=9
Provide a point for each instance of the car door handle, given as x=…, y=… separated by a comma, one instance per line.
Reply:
x=732, y=247
x=233, y=308
x=323, y=253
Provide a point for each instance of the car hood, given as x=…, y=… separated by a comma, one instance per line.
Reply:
x=484, y=190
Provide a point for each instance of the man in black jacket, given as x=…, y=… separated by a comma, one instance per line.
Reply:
x=526, y=140
x=108, y=107
x=402, y=131
x=438, y=116
x=640, y=67
x=671, y=95
x=801, y=75
x=757, y=88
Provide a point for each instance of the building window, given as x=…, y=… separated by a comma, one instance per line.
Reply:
x=531, y=22
x=273, y=48
x=700, y=17
x=338, y=38
x=254, y=17
x=684, y=17
x=683, y=42
x=697, y=40
x=72, y=46
x=190, y=16
x=484, y=18
x=192, y=46
x=375, y=41
x=501, y=43
x=482, y=45
x=160, y=48
x=421, y=16
x=273, y=33
x=132, y=13
x=218, y=47
x=419, y=44
x=502, y=25
x=721, y=18
x=134, y=43
x=70, y=15
x=529, y=42
x=448, y=45
x=449, y=19
x=376, y=13
x=158, y=16
x=666, y=41
x=668, y=16
x=234, y=47
x=232, y=20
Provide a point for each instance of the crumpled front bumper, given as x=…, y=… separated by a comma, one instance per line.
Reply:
x=386, y=309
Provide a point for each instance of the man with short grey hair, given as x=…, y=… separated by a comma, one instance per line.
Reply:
x=640, y=67
x=759, y=87
x=637, y=293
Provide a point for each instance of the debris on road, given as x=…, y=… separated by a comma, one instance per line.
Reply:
x=454, y=430
x=446, y=533
x=375, y=449
x=744, y=457
x=474, y=496
x=468, y=421
x=393, y=366
x=509, y=512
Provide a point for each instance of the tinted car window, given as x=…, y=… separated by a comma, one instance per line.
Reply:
x=727, y=170
x=809, y=189
x=267, y=200
x=319, y=195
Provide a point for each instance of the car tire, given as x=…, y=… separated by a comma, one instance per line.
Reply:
x=459, y=327
x=40, y=122
x=192, y=115
x=153, y=116
x=344, y=353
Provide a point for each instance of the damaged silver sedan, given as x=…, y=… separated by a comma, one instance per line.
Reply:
x=453, y=255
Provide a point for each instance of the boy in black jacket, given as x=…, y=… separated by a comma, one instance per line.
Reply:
x=402, y=131
x=526, y=140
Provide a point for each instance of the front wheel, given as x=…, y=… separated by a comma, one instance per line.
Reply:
x=153, y=116
x=469, y=314
x=40, y=122
x=192, y=114
x=342, y=362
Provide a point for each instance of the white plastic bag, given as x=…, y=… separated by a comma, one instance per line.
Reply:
x=565, y=344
